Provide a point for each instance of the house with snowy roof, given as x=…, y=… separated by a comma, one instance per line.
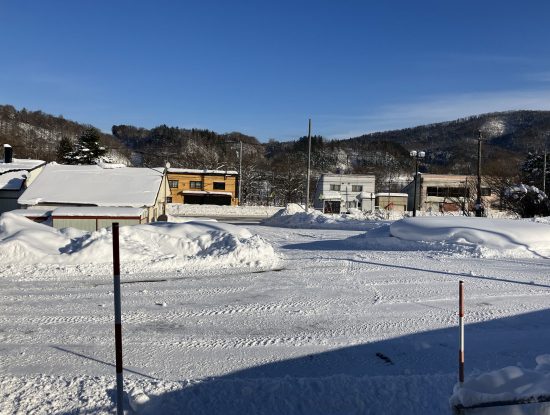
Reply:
x=203, y=187
x=91, y=197
x=15, y=176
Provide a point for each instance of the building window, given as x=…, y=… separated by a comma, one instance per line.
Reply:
x=356, y=188
x=168, y=199
x=453, y=192
x=335, y=187
x=485, y=191
x=195, y=185
x=219, y=185
x=173, y=184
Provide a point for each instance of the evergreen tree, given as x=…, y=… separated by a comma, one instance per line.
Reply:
x=88, y=148
x=65, y=149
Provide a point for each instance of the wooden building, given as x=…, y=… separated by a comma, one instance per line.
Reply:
x=203, y=187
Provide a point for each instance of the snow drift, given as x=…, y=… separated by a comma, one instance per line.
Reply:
x=161, y=245
x=482, y=236
x=509, y=384
x=294, y=216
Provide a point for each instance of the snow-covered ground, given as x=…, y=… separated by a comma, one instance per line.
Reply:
x=347, y=322
x=179, y=209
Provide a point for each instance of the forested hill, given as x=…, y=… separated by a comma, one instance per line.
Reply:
x=276, y=168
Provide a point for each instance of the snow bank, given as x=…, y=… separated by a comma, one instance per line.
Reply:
x=485, y=237
x=295, y=216
x=178, y=209
x=511, y=383
x=161, y=245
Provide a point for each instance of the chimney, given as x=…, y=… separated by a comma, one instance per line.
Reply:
x=8, y=154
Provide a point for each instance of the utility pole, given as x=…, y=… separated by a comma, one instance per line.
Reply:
x=240, y=172
x=478, y=197
x=308, y=165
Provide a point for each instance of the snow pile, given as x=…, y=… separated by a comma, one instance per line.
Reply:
x=178, y=209
x=485, y=237
x=295, y=217
x=161, y=245
x=511, y=383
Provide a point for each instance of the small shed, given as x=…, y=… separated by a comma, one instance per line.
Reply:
x=93, y=218
x=392, y=201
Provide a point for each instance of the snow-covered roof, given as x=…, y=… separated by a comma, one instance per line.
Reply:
x=20, y=164
x=13, y=180
x=93, y=211
x=93, y=185
x=330, y=194
x=205, y=192
x=199, y=171
x=365, y=195
x=31, y=213
x=382, y=194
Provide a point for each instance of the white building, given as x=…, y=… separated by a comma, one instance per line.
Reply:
x=340, y=192
x=92, y=196
x=15, y=176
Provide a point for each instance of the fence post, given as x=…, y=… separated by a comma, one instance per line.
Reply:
x=461, y=324
x=118, y=322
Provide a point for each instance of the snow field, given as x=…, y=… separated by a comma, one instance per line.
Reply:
x=348, y=323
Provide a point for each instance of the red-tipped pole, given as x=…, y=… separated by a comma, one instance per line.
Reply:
x=461, y=324
x=118, y=322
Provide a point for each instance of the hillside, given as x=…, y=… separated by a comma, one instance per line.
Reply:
x=274, y=172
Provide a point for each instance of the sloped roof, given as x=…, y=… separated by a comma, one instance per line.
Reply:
x=94, y=185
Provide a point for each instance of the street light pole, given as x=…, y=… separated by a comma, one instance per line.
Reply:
x=478, y=196
x=308, y=164
x=240, y=172
x=416, y=155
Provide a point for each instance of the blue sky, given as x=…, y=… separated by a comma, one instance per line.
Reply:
x=264, y=67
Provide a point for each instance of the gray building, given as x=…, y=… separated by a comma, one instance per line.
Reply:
x=15, y=176
x=336, y=193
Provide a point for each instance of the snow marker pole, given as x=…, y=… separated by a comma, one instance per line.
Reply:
x=461, y=324
x=118, y=323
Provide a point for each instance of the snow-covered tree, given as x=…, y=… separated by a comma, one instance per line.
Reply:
x=88, y=149
x=527, y=201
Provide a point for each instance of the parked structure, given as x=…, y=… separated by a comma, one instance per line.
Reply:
x=446, y=193
x=340, y=192
x=203, y=187
x=15, y=176
x=391, y=201
x=91, y=197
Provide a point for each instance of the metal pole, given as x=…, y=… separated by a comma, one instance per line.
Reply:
x=118, y=322
x=415, y=186
x=461, y=324
x=544, y=173
x=240, y=172
x=478, y=199
x=308, y=164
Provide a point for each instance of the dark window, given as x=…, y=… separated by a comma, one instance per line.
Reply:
x=219, y=186
x=173, y=184
x=485, y=191
x=432, y=191
x=335, y=187
x=356, y=188
x=168, y=199
x=195, y=185
x=453, y=192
